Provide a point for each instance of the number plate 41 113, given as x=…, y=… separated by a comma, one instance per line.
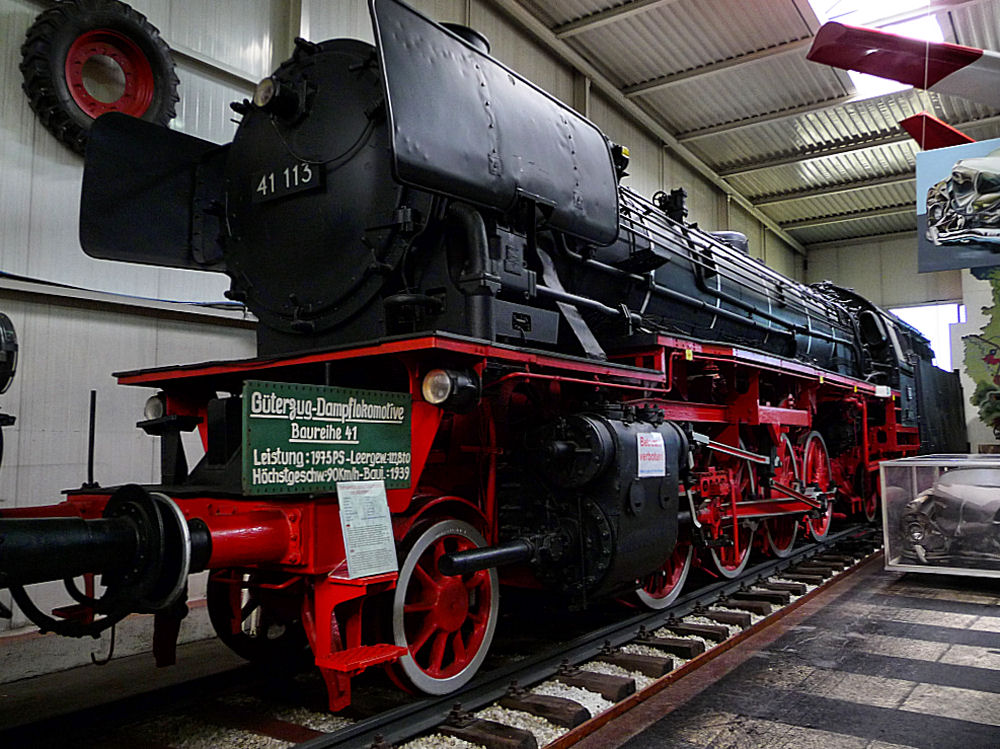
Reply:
x=277, y=183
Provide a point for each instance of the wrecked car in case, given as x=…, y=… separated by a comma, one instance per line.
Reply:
x=956, y=522
x=965, y=208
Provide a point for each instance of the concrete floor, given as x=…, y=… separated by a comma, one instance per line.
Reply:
x=65, y=692
x=880, y=661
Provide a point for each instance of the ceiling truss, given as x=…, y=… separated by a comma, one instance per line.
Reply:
x=753, y=52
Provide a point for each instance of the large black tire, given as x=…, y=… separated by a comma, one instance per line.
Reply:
x=58, y=56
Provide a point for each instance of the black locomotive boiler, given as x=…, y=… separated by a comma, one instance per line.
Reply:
x=542, y=378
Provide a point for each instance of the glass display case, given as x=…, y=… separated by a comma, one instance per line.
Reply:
x=941, y=513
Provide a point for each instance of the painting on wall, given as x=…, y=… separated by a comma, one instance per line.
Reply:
x=958, y=206
x=982, y=357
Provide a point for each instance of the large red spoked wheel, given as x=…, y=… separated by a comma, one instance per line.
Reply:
x=730, y=560
x=258, y=616
x=870, y=506
x=662, y=588
x=817, y=471
x=83, y=58
x=445, y=621
x=870, y=502
x=781, y=531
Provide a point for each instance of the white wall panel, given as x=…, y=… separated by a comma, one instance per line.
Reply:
x=65, y=352
x=645, y=151
x=203, y=109
x=17, y=139
x=512, y=47
x=323, y=20
x=884, y=271
x=40, y=179
x=245, y=35
x=781, y=257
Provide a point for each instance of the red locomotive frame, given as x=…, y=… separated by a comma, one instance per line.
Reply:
x=281, y=560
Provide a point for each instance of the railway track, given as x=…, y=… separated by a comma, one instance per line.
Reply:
x=552, y=696
x=698, y=626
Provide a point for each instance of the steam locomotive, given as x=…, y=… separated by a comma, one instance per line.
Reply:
x=482, y=361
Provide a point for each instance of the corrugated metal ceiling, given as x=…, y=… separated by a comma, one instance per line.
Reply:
x=729, y=79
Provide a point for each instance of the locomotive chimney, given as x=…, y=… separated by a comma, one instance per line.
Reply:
x=470, y=35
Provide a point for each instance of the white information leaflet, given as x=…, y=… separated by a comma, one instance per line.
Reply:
x=367, y=528
x=652, y=455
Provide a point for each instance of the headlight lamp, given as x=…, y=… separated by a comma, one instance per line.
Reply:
x=453, y=390
x=437, y=386
x=155, y=408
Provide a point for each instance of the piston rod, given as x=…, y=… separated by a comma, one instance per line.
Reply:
x=474, y=560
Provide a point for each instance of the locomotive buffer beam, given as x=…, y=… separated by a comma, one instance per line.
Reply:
x=143, y=547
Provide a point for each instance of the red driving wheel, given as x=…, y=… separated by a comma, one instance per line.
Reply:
x=782, y=530
x=662, y=587
x=817, y=471
x=446, y=622
x=730, y=559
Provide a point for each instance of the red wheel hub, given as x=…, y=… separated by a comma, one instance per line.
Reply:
x=452, y=604
x=446, y=616
x=126, y=54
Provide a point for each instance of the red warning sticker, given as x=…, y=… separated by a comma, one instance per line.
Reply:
x=652, y=455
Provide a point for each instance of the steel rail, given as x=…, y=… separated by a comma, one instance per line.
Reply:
x=403, y=723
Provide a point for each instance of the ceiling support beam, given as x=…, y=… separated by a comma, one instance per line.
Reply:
x=835, y=189
x=581, y=93
x=867, y=239
x=759, y=119
x=809, y=223
x=657, y=84
x=611, y=15
x=561, y=49
x=858, y=145
x=795, y=158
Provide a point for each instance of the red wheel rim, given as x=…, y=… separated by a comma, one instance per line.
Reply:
x=817, y=472
x=139, y=82
x=663, y=586
x=445, y=617
x=870, y=506
x=781, y=534
x=781, y=531
x=729, y=560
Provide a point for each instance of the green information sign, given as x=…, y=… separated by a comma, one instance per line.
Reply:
x=307, y=438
